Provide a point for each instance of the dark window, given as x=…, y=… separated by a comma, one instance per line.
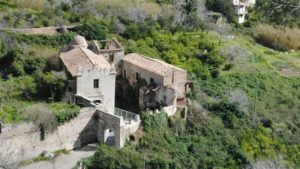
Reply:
x=151, y=80
x=137, y=76
x=70, y=89
x=96, y=83
x=111, y=57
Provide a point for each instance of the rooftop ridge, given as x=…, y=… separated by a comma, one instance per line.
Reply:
x=87, y=56
x=161, y=62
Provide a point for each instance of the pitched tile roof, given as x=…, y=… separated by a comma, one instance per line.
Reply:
x=82, y=58
x=154, y=65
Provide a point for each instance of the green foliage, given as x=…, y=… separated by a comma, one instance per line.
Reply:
x=51, y=84
x=228, y=112
x=219, y=136
x=287, y=13
x=222, y=6
x=54, y=40
x=64, y=112
x=111, y=158
x=194, y=51
x=93, y=30
x=259, y=143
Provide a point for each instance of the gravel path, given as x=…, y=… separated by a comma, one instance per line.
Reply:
x=64, y=161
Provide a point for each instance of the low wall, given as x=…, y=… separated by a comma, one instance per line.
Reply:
x=23, y=141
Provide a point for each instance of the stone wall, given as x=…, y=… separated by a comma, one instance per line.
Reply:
x=23, y=141
x=131, y=71
x=176, y=79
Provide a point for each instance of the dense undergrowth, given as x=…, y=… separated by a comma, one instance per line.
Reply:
x=242, y=110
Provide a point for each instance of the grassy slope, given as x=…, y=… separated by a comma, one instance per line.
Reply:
x=277, y=94
x=278, y=99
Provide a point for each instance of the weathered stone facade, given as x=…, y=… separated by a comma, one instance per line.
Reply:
x=23, y=141
x=166, y=84
x=91, y=76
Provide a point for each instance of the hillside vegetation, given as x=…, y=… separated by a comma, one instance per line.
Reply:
x=243, y=111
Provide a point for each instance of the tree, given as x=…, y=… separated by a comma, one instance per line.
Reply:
x=52, y=84
x=283, y=12
x=293, y=6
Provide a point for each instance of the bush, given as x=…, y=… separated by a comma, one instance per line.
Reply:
x=278, y=38
x=228, y=67
x=111, y=158
x=228, y=112
x=93, y=30
x=57, y=40
x=64, y=112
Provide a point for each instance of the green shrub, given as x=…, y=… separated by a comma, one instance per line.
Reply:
x=51, y=85
x=64, y=112
x=228, y=66
x=57, y=40
x=111, y=158
x=93, y=30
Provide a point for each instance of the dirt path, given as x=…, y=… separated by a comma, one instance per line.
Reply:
x=65, y=161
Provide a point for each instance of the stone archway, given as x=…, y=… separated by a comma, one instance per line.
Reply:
x=109, y=137
x=108, y=129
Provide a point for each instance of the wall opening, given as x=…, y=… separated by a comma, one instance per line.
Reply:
x=111, y=57
x=151, y=80
x=96, y=83
x=137, y=76
x=109, y=137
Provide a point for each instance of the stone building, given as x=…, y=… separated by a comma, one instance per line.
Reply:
x=91, y=82
x=166, y=84
x=91, y=76
x=241, y=8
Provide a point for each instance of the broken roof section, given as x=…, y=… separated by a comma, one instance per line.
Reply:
x=154, y=65
x=106, y=46
x=80, y=58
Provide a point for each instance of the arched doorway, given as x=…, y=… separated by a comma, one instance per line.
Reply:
x=109, y=137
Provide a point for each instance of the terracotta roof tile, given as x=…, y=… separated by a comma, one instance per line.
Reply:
x=82, y=58
x=154, y=65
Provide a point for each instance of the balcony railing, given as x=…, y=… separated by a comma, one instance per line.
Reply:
x=126, y=115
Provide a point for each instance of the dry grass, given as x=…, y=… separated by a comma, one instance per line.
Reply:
x=32, y=4
x=279, y=38
x=134, y=9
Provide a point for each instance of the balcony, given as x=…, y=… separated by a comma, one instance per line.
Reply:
x=127, y=116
